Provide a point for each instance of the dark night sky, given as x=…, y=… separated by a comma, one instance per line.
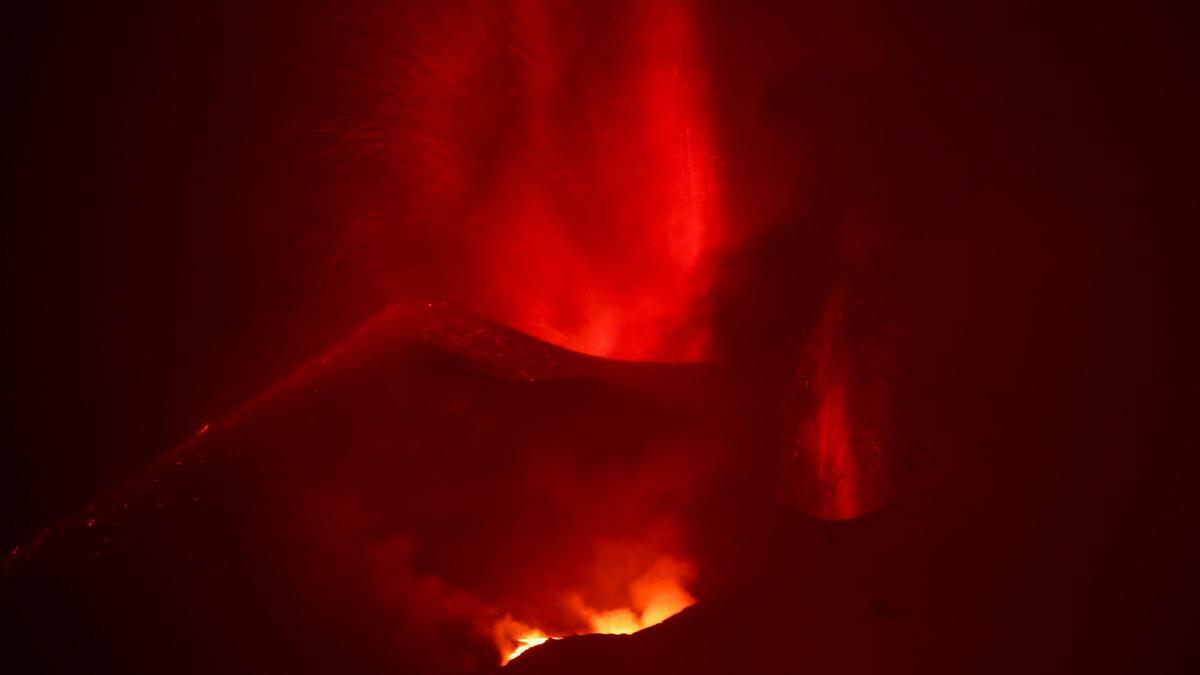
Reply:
x=159, y=267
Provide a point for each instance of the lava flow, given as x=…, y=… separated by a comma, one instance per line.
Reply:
x=529, y=641
x=654, y=597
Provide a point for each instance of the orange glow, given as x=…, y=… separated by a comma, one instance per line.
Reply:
x=525, y=643
x=654, y=597
x=514, y=638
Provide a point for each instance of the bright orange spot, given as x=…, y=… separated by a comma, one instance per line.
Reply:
x=526, y=642
x=655, y=596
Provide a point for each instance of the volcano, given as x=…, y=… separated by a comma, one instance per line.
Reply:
x=527, y=336
x=298, y=537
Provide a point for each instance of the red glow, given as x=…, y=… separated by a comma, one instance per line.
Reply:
x=389, y=299
x=582, y=168
x=654, y=596
x=826, y=445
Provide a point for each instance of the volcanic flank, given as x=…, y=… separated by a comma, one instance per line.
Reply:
x=612, y=337
x=400, y=496
x=405, y=495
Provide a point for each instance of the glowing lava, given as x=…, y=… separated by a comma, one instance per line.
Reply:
x=529, y=641
x=655, y=597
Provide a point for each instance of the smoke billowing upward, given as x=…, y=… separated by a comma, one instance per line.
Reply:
x=647, y=295
x=564, y=153
x=560, y=168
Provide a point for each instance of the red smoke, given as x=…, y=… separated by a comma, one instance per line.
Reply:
x=561, y=164
x=835, y=464
x=828, y=435
x=568, y=148
x=877, y=229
